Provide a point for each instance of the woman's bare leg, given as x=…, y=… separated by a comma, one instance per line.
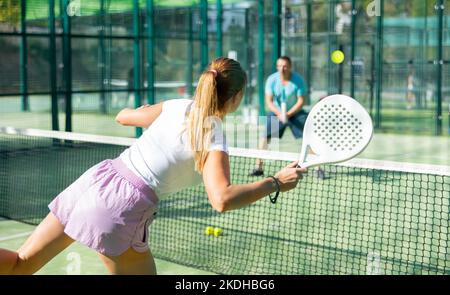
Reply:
x=263, y=145
x=130, y=262
x=45, y=242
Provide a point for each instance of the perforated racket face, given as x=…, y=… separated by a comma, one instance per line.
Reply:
x=337, y=129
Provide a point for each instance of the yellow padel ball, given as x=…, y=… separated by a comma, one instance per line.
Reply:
x=218, y=231
x=337, y=57
x=209, y=230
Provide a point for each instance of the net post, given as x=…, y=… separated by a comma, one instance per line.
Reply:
x=52, y=63
x=67, y=60
x=204, y=34
x=261, y=57
x=150, y=51
x=219, y=37
x=24, y=57
x=136, y=61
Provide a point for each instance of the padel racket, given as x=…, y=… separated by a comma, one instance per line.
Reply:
x=337, y=129
x=283, y=113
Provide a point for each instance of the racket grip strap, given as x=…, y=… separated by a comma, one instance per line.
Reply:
x=273, y=199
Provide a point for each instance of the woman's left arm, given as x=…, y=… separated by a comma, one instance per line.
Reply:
x=143, y=116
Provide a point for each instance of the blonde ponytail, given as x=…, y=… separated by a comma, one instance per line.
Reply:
x=199, y=133
x=223, y=79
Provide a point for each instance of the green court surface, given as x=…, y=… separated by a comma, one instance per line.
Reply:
x=336, y=225
x=333, y=226
x=13, y=234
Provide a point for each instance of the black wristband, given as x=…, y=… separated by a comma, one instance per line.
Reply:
x=274, y=199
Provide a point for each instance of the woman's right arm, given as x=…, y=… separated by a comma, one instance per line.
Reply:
x=225, y=196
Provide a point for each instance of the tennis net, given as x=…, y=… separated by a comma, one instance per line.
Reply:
x=364, y=217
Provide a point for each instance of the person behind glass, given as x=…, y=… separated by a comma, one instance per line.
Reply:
x=284, y=92
x=410, y=93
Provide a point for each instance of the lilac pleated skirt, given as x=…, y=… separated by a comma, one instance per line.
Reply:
x=108, y=209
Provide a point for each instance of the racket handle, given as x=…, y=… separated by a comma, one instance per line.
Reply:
x=283, y=112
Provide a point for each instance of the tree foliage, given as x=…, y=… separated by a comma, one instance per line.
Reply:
x=10, y=12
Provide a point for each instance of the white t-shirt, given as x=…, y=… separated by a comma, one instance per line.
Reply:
x=162, y=156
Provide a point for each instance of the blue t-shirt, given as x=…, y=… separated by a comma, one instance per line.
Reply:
x=288, y=93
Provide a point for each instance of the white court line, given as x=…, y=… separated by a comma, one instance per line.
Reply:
x=15, y=236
